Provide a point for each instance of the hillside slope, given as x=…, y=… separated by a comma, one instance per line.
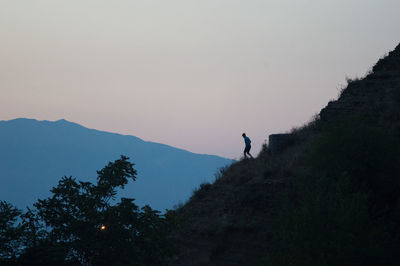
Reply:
x=34, y=155
x=317, y=202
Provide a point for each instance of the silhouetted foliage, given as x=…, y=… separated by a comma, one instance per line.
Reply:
x=10, y=231
x=82, y=224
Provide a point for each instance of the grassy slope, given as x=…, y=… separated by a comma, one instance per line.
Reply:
x=254, y=206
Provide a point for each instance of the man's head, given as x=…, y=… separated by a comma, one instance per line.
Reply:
x=244, y=135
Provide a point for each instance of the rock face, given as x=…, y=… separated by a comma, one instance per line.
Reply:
x=375, y=96
x=229, y=222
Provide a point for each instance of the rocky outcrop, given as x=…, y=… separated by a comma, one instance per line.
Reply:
x=376, y=96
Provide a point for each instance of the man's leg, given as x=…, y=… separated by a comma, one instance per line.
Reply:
x=248, y=151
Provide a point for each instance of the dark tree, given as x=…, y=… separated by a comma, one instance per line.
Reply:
x=10, y=232
x=83, y=224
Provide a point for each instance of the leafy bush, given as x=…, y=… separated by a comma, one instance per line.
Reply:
x=201, y=191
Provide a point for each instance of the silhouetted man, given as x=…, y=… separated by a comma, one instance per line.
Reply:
x=247, y=141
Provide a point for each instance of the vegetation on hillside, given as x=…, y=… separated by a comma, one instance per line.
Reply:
x=341, y=209
x=330, y=196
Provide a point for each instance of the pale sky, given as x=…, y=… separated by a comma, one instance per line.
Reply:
x=191, y=74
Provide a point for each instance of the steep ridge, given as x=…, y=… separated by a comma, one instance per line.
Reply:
x=230, y=222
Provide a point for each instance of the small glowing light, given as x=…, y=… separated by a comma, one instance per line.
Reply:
x=102, y=227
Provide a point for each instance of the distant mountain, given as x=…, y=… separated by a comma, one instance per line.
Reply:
x=34, y=155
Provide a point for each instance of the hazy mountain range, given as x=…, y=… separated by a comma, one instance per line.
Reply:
x=34, y=155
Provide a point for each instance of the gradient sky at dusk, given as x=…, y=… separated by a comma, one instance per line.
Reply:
x=191, y=74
